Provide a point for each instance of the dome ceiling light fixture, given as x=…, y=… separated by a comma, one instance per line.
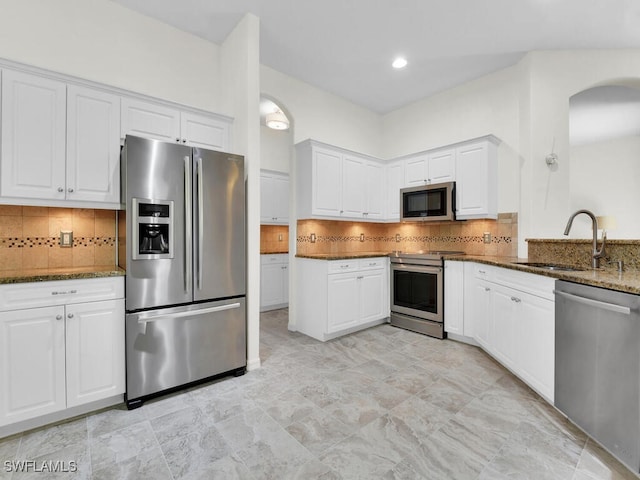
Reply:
x=399, y=62
x=277, y=120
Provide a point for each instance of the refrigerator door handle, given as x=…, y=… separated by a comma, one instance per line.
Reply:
x=144, y=319
x=188, y=229
x=200, y=221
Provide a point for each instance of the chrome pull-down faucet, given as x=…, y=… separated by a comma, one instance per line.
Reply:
x=596, y=254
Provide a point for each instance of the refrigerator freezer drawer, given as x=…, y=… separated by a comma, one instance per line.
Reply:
x=171, y=347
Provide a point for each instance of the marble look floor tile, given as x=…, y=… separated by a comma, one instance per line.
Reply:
x=422, y=417
x=229, y=467
x=289, y=408
x=596, y=463
x=375, y=369
x=273, y=454
x=448, y=393
x=195, y=451
x=323, y=393
x=166, y=404
x=179, y=424
x=72, y=461
x=241, y=430
x=220, y=406
x=9, y=450
x=52, y=439
x=356, y=410
x=112, y=420
x=313, y=469
x=319, y=431
x=149, y=465
x=121, y=445
x=412, y=380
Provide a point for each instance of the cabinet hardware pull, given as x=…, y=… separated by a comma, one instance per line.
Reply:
x=177, y=139
x=64, y=293
x=482, y=272
x=184, y=140
x=69, y=315
x=487, y=289
x=70, y=190
x=359, y=278
x=58, y=317
x=60, y=189
x=515, y=299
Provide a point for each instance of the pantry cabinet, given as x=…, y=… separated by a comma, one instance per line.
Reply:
x=61, y=346
x=59, y=142
x=338, y=297
x=274, y=198
x=454, y=297
x=157, y=121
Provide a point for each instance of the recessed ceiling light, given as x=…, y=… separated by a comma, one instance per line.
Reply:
x=399, y=62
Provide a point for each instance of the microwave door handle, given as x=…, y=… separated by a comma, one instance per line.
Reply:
x=200, y=221
x=188, y=229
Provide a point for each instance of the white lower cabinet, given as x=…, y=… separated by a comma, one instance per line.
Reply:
x=454, y=297
x=511, y=315
x=274, y=281
x=63, y=355
x=341, y=296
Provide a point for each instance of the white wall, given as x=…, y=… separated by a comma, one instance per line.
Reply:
x=101, y=41
x=323, y=116
x=275, y=149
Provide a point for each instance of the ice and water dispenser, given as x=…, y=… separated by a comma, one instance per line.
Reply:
x=153, y=229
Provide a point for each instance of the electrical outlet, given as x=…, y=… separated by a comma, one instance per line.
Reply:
x=486, y=237
x=66, y=238
x=362, y=237
x=312, y=237
x=279, y=237
x=397, y=237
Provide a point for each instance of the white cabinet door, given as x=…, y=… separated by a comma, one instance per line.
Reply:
x=204, y=132
x=373, y=294
x=482, y=322
x=395, y=181
x=274, y=198
x=441, y=166
x=32, y=162
x=375, y=191
x=454, y=297
x=93, y=145
x=354, y=171
x=326, y=183
x=415, y=171
x=94, y=351
x=149, y=120
x=505, y=312
x=271, y=285
x=285, y=283
x=343, y=306
x=32, y=363
x=536, y=346
x=476, y=181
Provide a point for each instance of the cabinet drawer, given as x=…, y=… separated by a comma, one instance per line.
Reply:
x=484, y=272
x=340, y=266
x=533, y=284
x=372, y=263
x=60, y=292
x=269, y=259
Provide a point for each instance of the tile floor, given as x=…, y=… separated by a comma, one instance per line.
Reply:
x=382, y=403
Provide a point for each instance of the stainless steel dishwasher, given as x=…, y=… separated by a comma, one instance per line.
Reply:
x=597, y=380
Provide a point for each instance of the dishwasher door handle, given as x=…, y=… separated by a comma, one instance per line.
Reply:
x=612, y=307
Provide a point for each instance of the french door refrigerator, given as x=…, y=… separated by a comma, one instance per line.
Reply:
x=182, y=243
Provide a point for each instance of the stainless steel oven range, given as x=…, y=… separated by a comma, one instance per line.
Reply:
x=417, y=291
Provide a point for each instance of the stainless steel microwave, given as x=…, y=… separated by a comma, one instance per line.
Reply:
x=435, y=202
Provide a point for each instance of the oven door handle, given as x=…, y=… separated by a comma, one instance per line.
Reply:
x=416, y=268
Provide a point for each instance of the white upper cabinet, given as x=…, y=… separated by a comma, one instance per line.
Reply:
x=274, y=198
x=93, y=145
x=33, y=137
x=430, y=167
x=153, y=120
x=477, y=179
x=339, y=184
x=394, y=182
x=150, y=120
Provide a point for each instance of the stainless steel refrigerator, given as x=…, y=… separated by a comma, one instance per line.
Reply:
x=182, y=243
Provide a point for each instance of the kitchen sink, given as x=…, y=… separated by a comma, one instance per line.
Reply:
x=551, y=266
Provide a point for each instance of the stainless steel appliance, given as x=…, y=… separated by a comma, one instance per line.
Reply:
x=417, y=291
x=184, y=254
x=597, y=379
x=436, y=202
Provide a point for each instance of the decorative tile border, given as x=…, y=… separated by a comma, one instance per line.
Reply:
x=30, y=242
x=408, y=238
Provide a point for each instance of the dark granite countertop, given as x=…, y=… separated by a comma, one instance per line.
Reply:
x=342, y=256
x=48, y=274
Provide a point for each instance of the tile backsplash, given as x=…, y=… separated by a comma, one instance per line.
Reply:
x=335, y=236
x=30, y=237
x=274, y=238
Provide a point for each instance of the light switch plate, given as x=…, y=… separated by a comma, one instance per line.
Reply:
x=486, y=237
x=66, y=238
x=312, y=237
